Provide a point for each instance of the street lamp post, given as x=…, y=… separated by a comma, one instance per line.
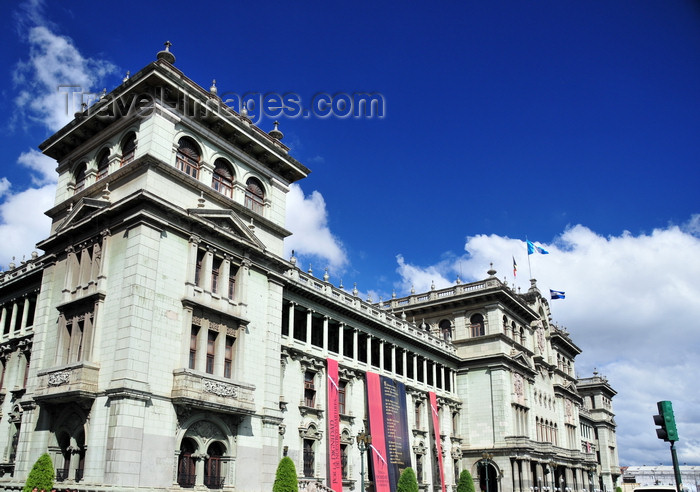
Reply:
x=486, y=457
x=363, y=442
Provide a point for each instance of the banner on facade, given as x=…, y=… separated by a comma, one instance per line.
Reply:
x=335, y=467
x=388, y=425
x=436, y=434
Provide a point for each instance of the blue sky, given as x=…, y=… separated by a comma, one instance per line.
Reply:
x=574, y=123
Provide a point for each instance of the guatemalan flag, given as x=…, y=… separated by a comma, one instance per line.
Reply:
x=531, y=248
x=556, y=294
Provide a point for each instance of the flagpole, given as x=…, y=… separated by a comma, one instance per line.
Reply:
x=529, y=268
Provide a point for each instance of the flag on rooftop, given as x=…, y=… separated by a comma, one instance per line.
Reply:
x=531, y=248
x=556, y=294
x=515, y=267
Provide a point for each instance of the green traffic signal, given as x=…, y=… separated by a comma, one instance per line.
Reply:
x=667, y=421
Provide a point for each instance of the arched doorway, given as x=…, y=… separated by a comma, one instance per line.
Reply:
x=488, y=477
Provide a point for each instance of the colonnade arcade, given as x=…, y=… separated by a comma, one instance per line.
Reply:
x=331, y=336
x=536, y=475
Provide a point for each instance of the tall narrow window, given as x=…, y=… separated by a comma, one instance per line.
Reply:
x=233, y=271
x=186, y=464
x=309, y=389
x=342, y=386
x=344, y=453
x=228, y=357
x=26, y=369
x=128, y=149
x=198, y=268
x=222, y=178
x=188, y=157
x=211, y=350
x=216, y=266
x=3, y=363
x=309, y=458
x=212, y=466
x=417, y=414
x=79, y=177
x=102, y=164
x=254, y=196
x=193, y=346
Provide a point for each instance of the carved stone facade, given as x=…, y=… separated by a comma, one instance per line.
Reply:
x=163, y=343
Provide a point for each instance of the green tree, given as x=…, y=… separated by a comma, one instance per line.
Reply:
x=407, y=481
x=41, y=476
x=618, y=489
x=466, y=482
x=286, y=477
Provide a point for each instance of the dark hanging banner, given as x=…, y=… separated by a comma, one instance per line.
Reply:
x=395, y=452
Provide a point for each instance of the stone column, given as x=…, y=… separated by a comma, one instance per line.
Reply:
x=355, y=344
x=13, y=318
x=341, y=346
x=309, y=313
x=290, y=326
x=25, y=313
x=369, y=350
x=404, y=362
x=381, y=354
x=393, y=358
x=325, y=334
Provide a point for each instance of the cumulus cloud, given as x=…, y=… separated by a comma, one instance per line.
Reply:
x=312, y=240
x=55, y=79
x=50, y=84
x=631, y=305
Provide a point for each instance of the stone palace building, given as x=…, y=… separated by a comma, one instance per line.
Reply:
x=162, y=341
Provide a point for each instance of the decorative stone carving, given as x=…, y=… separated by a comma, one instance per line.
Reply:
x=59, y=378
x=220, y=389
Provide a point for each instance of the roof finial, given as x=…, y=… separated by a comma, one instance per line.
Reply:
x=166, y=54
x=275, y=132
x=213, y=89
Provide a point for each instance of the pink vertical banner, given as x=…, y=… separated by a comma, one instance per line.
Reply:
x=377, y=449
x=436, y=434
x=335, y=467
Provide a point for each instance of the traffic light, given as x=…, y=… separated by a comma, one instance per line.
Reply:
x=667, y=421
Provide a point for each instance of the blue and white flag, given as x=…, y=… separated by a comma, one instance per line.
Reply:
x=531, y=248
x=556, y=294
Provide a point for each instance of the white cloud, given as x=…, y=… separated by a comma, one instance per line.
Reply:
x=44, y=167
x=633, y=306
x=311, y=238
x=53, y=62
x=22, y=222
x=55, y=79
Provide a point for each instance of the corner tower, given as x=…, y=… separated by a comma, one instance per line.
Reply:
x=162, y=283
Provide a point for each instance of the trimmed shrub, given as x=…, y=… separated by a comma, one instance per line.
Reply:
x=286, y=476
x=41, y=476
x=466, y=482
x=407, y=481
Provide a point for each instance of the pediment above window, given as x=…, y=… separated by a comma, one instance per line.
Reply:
x=81, y=210
x=229, y=221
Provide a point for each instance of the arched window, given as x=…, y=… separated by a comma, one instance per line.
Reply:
x=188, y=157
x=212, y=466
x=102, y=164
x=128, y=149
x=222, y=179
x=79, y=177
x=186, y=464
x=477, y=325
x=64, y=444
x=446, y=330
x=254, y=196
